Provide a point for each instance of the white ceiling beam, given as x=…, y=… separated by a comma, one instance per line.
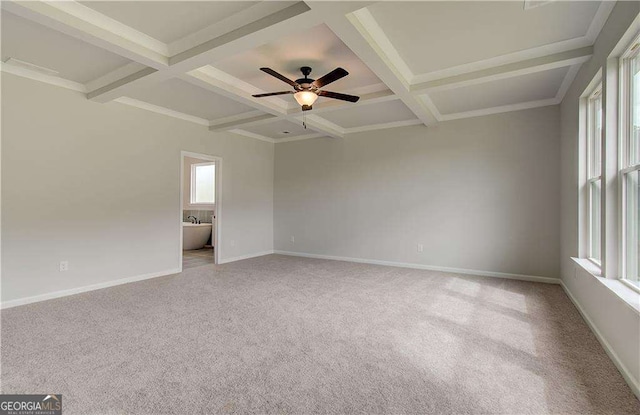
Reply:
x=544, y=63
x=210, y=79
x=115, y=75
x=223, y=84
x=103, y=91
x=259, y=118
x=294, y=18
x=251, y=14
x=355, y=30
x=84, y=23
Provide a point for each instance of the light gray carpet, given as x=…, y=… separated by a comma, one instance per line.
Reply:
x=289, y=335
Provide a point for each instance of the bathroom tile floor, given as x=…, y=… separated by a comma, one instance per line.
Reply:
x=197, y=258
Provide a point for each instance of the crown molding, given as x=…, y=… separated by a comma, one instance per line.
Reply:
x=298, y=138
x=252, y=135
x=162, y=110
x=567, y=81
x=520, y=68
x=501, y=109
x=41, y=77
x=383, y=126
x=243, y=120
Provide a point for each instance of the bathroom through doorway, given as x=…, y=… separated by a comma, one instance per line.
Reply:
x=200, y=209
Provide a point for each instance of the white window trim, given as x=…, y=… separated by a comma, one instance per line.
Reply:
x=624, y=163
x=596, y=92
x=192, y=187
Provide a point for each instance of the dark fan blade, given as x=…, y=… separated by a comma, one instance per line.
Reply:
x=335, y=95
x=270, y=94
x=330, y=77
x=280, y=77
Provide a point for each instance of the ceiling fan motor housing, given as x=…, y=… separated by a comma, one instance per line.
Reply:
x=305, y=83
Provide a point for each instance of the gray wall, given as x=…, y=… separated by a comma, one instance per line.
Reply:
x=616, y=321
x=479, y=194
x=99, y=185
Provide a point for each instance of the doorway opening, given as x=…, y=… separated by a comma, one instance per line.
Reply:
x=200, y=209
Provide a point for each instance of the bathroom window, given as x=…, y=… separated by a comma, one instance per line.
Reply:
x=203, y=184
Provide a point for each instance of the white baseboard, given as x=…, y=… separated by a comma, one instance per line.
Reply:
x=631, y=381
x=72, y=291
x=241, y=257
x=520, y=277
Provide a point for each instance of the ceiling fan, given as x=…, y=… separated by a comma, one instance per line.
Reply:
x=306, y=90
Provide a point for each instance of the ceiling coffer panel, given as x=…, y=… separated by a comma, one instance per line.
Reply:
x=279, y=129
x=532, y=87
x=168, y=21
x=372, y=114
x=435, y=35
x=318, y=48
x=181, y=96
x=65, y=56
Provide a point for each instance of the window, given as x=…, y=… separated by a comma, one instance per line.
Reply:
x=203, y=179
x=630, y=163
x=594, y=174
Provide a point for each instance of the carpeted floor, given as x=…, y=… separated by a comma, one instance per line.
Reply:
x=280, y=334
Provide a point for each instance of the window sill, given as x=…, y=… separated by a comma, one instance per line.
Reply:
x=589, y=266
x=619, y=288
x=203, y=206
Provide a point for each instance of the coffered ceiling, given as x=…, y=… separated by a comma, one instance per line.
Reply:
x=410, y=62
x=168, y=21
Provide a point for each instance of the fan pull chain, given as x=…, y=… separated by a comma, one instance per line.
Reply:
x=304, y=119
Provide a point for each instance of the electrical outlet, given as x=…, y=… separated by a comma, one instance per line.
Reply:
x=293, y=239
x=232, y=243
x=420, y=248
x=64, y=266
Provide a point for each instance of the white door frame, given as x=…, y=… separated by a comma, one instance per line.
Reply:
x=216, y=235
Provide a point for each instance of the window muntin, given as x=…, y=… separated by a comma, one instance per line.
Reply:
x=203, y=179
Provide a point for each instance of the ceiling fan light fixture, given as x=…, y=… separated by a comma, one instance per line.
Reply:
x=305, y=97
